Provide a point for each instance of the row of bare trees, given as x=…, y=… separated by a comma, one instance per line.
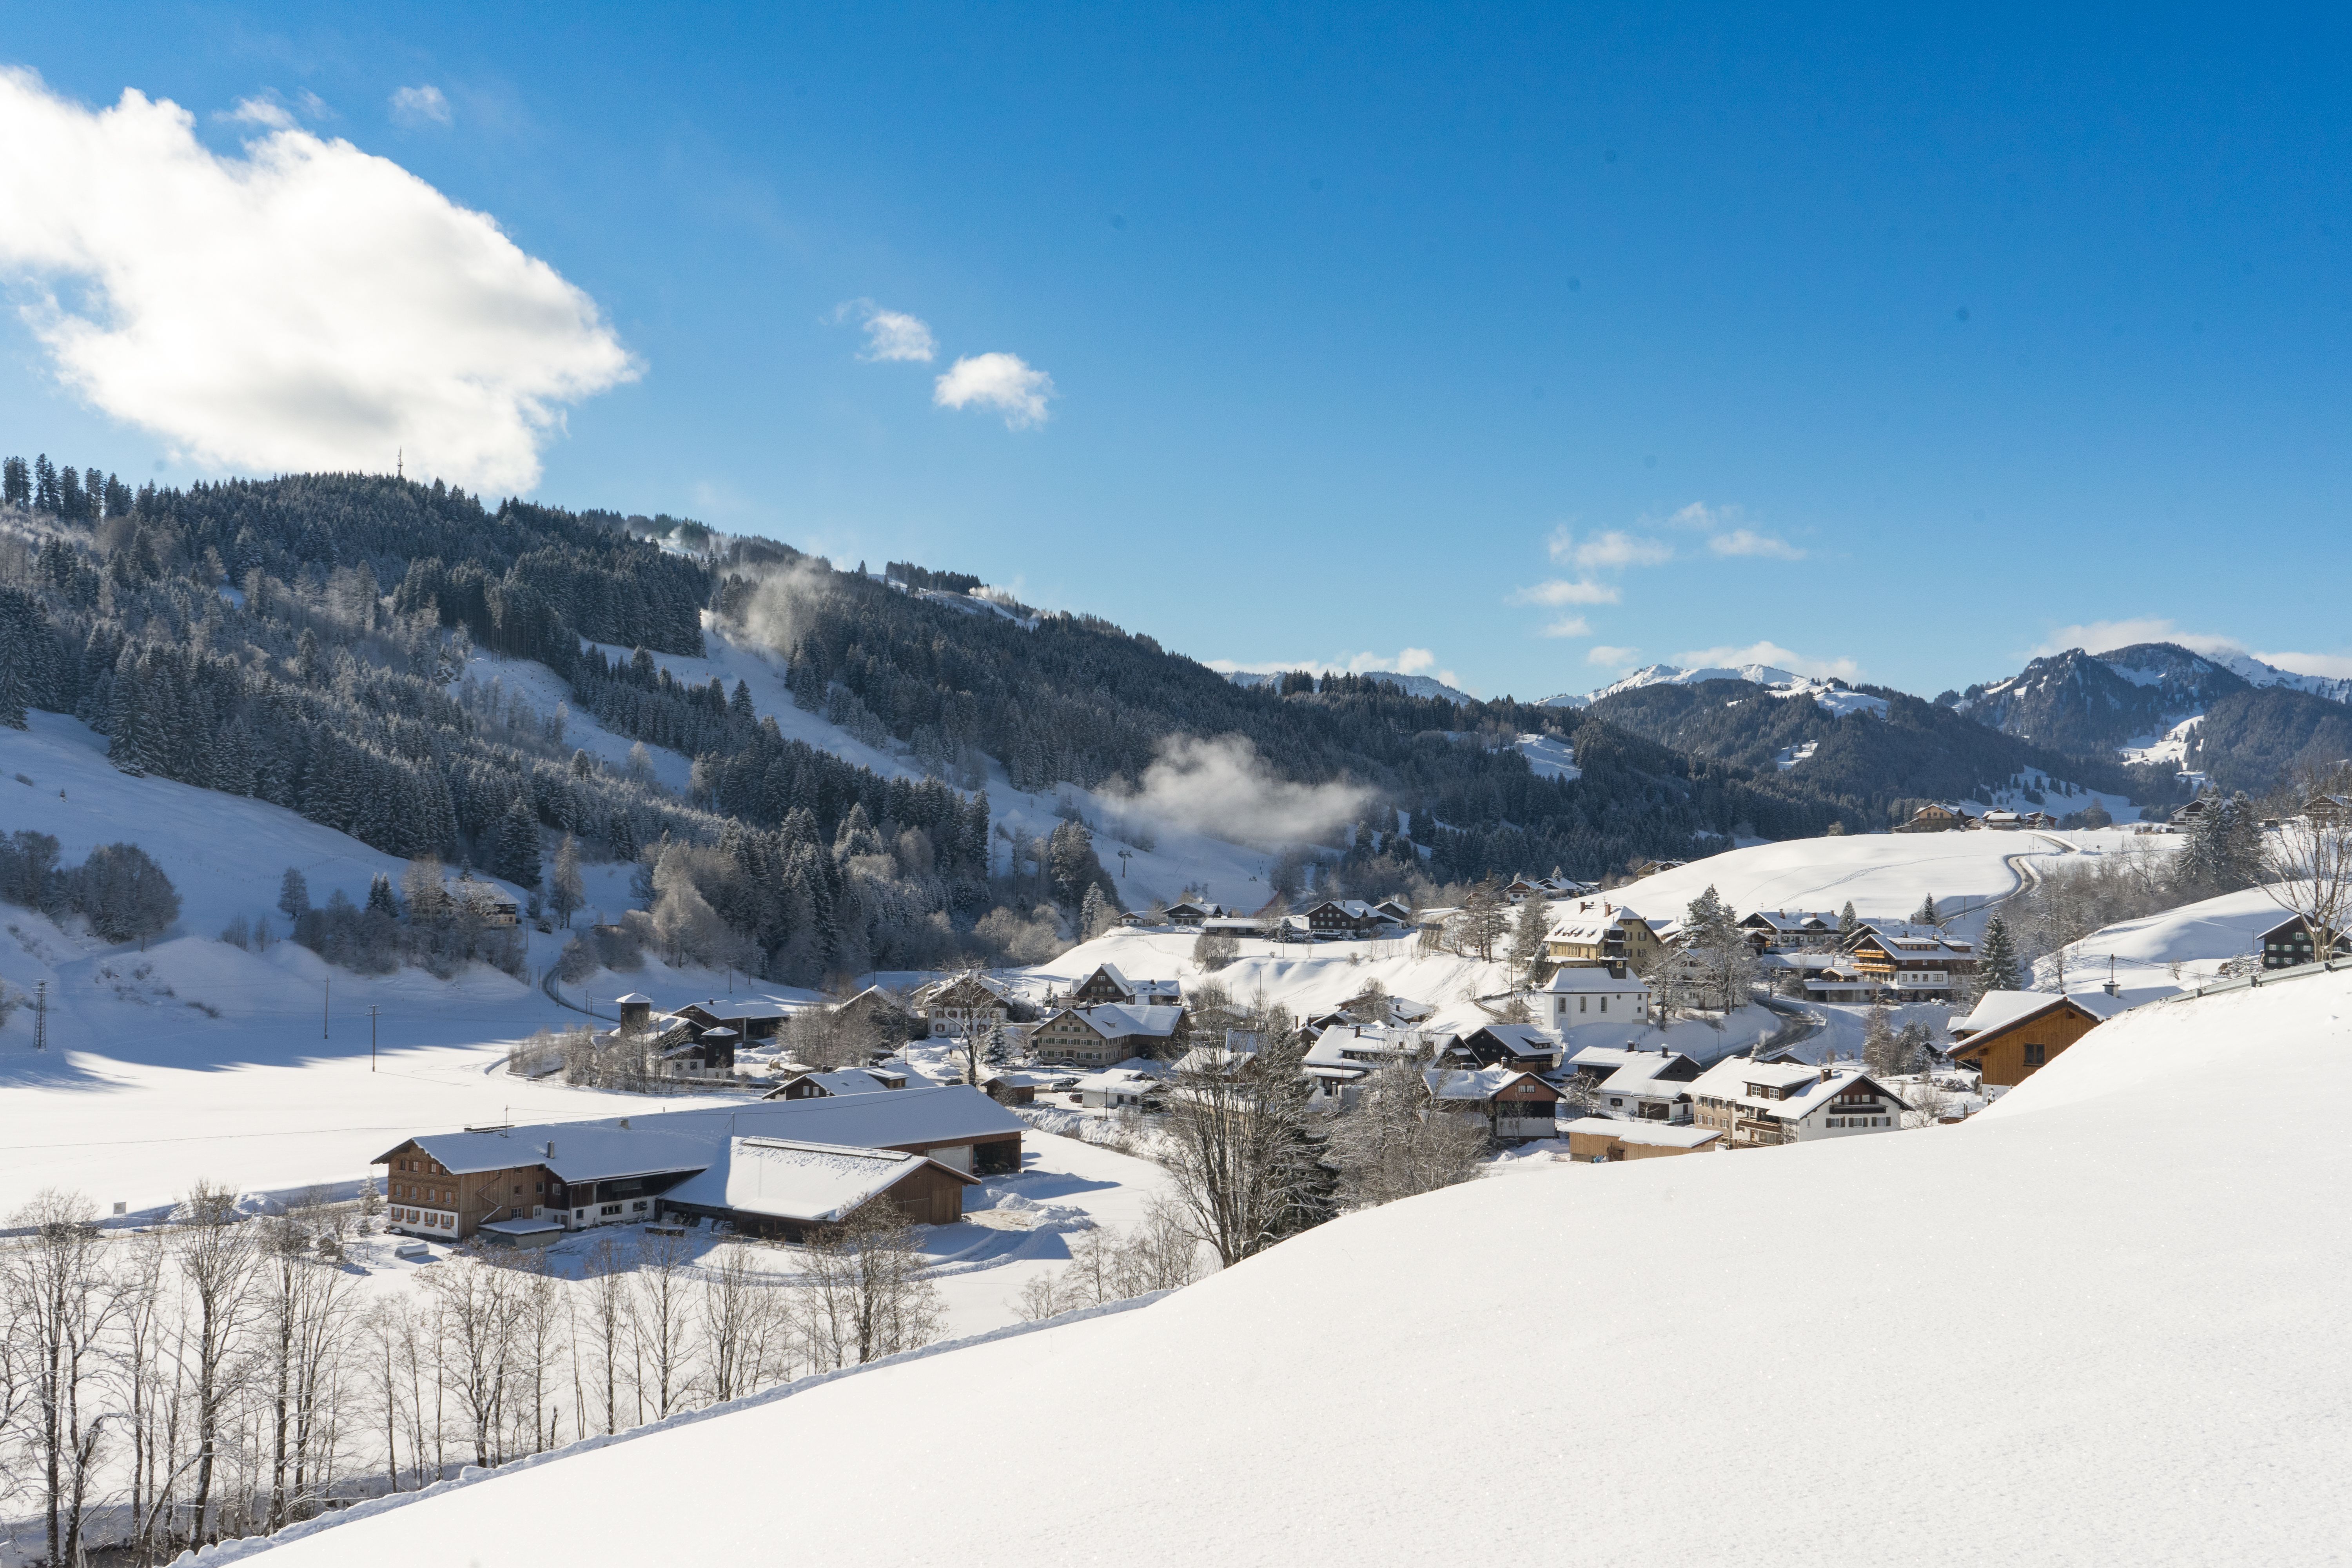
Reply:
x=225, y=1375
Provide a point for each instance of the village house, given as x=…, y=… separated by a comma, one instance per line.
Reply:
x=1603, y=1140
x=1599, y=931
x=2010, y=1035
x=1513, y=1104
x=486, y=901
x=1596, y=1064
x=1105, y=1035
x=1759, y=1104
x=1243, y=926
x=1639, y=1085
x=1344, y=1055
x=447, y=1186
x=1018, y=1086
x=1652, y=868
x=966, y=1006
x=2291, y=943
x=1519, y=890
x=1528, y=1046
x=1193, y=911
x=1911, y=962
x=751, y=1017
x=1838, y=979
x=681, y=1051
x=1935, y=817
x=1789, y=931
x=848, y=1081
x=1129, y=1086
x=1106, y=983
x=790, y=1191
x=1588, y=993
x=2324, y=810
x=1337, y=917
x=885, y=1014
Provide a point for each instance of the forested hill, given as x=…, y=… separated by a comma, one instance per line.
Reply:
x=302, y=639
x=1875, y=767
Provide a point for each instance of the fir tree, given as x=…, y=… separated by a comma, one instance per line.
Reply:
x=1926, y=915
x=1997, y=957
x=380, y=898
x=15, y=694
x=293, y=894
x=517, y=845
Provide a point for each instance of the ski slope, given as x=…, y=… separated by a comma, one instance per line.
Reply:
x=2156, y=1366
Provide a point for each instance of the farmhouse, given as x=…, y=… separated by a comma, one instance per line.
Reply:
x=751, y=1017
x=1099, y=1036
x=1933, y=817
x=1789, y=930
x=2011, y=1035
x=1106, y=983
x=1354, y=917
x=786, y=1189
x=1522, y=1045
x=447, y=1186
x=848, y=1081
x=681, y=1051
x=2291, y=943
x=964, y=1006
x=1193, y=911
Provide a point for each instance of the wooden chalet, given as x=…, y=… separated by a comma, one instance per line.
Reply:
x=1522, y=1045
x=574, y=1175
x=1789, y=930
x=1355, y=918
x=751, y=1017
x=682, y=1051
x=2011, y=1035
x=2292, y=943
x=826, y=1085
x=1936, y=817
x=1101, y=1035
x=1108, y=983
x=1605, y=1140
x=1193, y=911
x=965, y=1005
x=2325, y=810
x=1515, y=1105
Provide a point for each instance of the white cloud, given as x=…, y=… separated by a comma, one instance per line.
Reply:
x=1561, y=591
x=1413, y=661
x=1610, y=658
x=420, y=105
x=1221, y=788
x=261, y=111
x=2333, y=666
x=890, y=334
x=1700, y=515
x=999, y=381
x=304, y=306
x=1747, y=541
x=1769, y=653
x=1616, y=548
x=1569, y=627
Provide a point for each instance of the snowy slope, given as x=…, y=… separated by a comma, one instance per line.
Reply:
x=1832, y=698
x=2156, y=1367
x=1410, y=685
x=1885, y=874
x=2199, y=938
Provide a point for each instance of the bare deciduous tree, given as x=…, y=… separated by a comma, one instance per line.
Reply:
x=2308, y=872
x=1239, y=1145
x=865, y=1296
x=1391, y=1144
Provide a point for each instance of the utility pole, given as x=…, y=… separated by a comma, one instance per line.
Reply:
x=326, y=1006
x=371, y=1036
x=40, y=1015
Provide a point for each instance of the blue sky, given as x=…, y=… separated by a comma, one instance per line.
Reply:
x=1537, y=343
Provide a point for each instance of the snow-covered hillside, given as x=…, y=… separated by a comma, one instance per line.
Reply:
x=2178, y=950
x=1410, y=685
x=1885, y=875
x=2150, y=1365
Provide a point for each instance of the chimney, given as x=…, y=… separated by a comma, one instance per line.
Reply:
x=636, y=1013
x=2112, y=989
x=1826, y=1073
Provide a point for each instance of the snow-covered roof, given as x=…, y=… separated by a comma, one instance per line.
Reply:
x=745, y=1007
x=1655, y=1134
x=573, y=1150
x=848, y=1081
x=1120, y=1081
x=1478, y=1083
x=2000, y=1009
x=1520, y=1039
x=633, y=997
x=1120, y=1020
x=941, y=1114
x=793, y=1179
x=1640, y=1076
x=1614, y=1056
x=1583, y=980
x=1804, y=1089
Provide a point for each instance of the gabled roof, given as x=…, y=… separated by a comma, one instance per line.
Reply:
x=1999, y=1010
x=1468, y=1084
x=1120, y=1020
x=740, y=1007
x=1653, y=1134
x=848, y=1081
x=792, y=1179
x=941, y=1114
x=572, y=1150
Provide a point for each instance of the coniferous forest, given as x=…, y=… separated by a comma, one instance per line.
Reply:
x=304, y=640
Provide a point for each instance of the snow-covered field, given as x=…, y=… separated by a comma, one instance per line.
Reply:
x=1885, y=875
x=2153, y=1366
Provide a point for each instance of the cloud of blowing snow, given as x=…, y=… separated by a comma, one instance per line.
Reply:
x=1220, y=787
x=304, y=306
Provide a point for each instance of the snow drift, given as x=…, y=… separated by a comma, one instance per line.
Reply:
x=2101, y=1323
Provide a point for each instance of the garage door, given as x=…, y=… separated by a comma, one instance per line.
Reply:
x=955, y=1156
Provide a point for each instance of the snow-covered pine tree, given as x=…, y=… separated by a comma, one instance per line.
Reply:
x=1926, y=913
x=565, y=893
x=293, y=894
x=13, y=691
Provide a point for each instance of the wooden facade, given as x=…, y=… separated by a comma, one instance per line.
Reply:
x=928, y=1194
x=423, y=1197
x=2010, y=1053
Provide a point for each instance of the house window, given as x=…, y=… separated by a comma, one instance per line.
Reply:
x=2037, y=1055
